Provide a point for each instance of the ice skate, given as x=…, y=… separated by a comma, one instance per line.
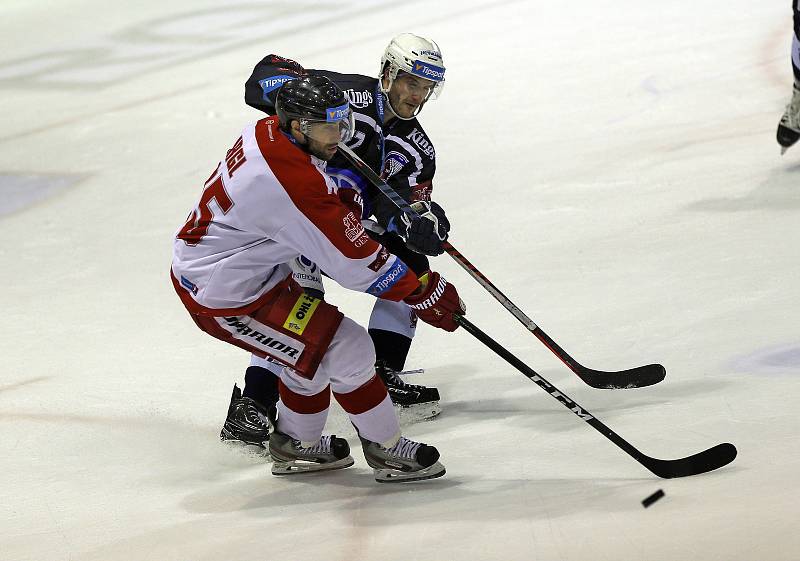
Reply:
x=413, y=402
x=405, y=461
x=290, y=457
x=789, y=127
x=248, y=422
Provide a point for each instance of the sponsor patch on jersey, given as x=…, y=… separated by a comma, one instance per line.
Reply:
x=380, y=259
x=389, y=279
x=352, y=227
x=421, y=141
x=301, y=314
x=360, y=99
x=394, y=162
x=335, y=114
x=188, y=285
x=273, y=83
x=271, y=341
x=427, y=70
x=422, y=191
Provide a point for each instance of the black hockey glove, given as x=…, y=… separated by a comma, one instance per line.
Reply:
x=426, y=232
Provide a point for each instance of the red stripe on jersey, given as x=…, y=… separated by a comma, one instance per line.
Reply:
x=305, y=404
x=309, y=192
x=364, y=398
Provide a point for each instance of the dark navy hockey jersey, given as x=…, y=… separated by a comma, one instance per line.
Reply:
x=401, y=150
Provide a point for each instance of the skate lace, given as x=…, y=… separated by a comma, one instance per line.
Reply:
x=393, y=378
x=404, y=448
x=321, y=447
x=254, y=415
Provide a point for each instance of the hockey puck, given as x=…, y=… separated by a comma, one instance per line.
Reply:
x=652, y=498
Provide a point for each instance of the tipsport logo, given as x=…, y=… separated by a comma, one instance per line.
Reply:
x=389, y=279
x=273, y=83
x=335, y=114
x=427, y=71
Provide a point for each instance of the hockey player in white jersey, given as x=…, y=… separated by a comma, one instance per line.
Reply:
x=390, y=139
x=789, y=126
x=267, y=202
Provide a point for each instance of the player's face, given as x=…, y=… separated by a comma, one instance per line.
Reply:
x=323, y=149
x=324, y=138
x=408, y=93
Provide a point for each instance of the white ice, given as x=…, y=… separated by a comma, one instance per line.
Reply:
x=611, y=166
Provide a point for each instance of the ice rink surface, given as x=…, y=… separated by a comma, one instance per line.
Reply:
x=611, y=166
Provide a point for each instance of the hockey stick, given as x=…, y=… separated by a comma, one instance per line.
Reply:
x=707, y=460
x=632, y=378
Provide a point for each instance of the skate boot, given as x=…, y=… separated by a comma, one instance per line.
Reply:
x=290, y=457
x=414, y=403
x=405, y=461
x=248, y=422
x=789, y=127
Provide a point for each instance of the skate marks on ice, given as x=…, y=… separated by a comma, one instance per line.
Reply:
x=20, y=191
x=514, y=397
x=776, y=359
x=155, y=44
x=164, y=42
x=349, y=507
x=23, y=383
x=777, y=192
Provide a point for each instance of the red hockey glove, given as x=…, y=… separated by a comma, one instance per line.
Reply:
x=437, y=302
x=285, y=64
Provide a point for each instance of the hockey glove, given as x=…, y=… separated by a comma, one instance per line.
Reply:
x=426, y=232
x=269, y=74
x=437, y=302
x=285, y=64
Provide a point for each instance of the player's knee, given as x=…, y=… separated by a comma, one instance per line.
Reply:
x=352, y=355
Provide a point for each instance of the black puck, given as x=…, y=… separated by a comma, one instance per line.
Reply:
x=652, y=498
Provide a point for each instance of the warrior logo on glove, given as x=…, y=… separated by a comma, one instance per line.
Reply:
x=437, y=302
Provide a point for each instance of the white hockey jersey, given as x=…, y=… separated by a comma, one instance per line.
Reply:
x=266, y=203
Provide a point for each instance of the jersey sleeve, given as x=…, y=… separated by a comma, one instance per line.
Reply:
x=267, y=77
x=319, y=226
x=408, y=167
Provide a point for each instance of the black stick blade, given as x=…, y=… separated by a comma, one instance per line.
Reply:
x=702, y=462
x=639, y=377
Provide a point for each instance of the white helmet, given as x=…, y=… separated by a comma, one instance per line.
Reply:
x=417, y=56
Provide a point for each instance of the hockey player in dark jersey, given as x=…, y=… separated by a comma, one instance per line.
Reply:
x=789, y=126
x=390, y=139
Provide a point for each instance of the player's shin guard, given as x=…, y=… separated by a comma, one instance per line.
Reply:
x=296, y=445
x=370, y=410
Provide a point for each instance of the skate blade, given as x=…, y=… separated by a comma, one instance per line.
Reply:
x=294, y=467
x=395, y=476
x=419, y=412
x=784, y=149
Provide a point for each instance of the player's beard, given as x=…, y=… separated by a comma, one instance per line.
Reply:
x=322, y=150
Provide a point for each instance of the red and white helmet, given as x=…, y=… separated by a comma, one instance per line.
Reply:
x=414, y=55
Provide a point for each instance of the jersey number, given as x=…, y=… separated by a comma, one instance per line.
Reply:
x=197, y=225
